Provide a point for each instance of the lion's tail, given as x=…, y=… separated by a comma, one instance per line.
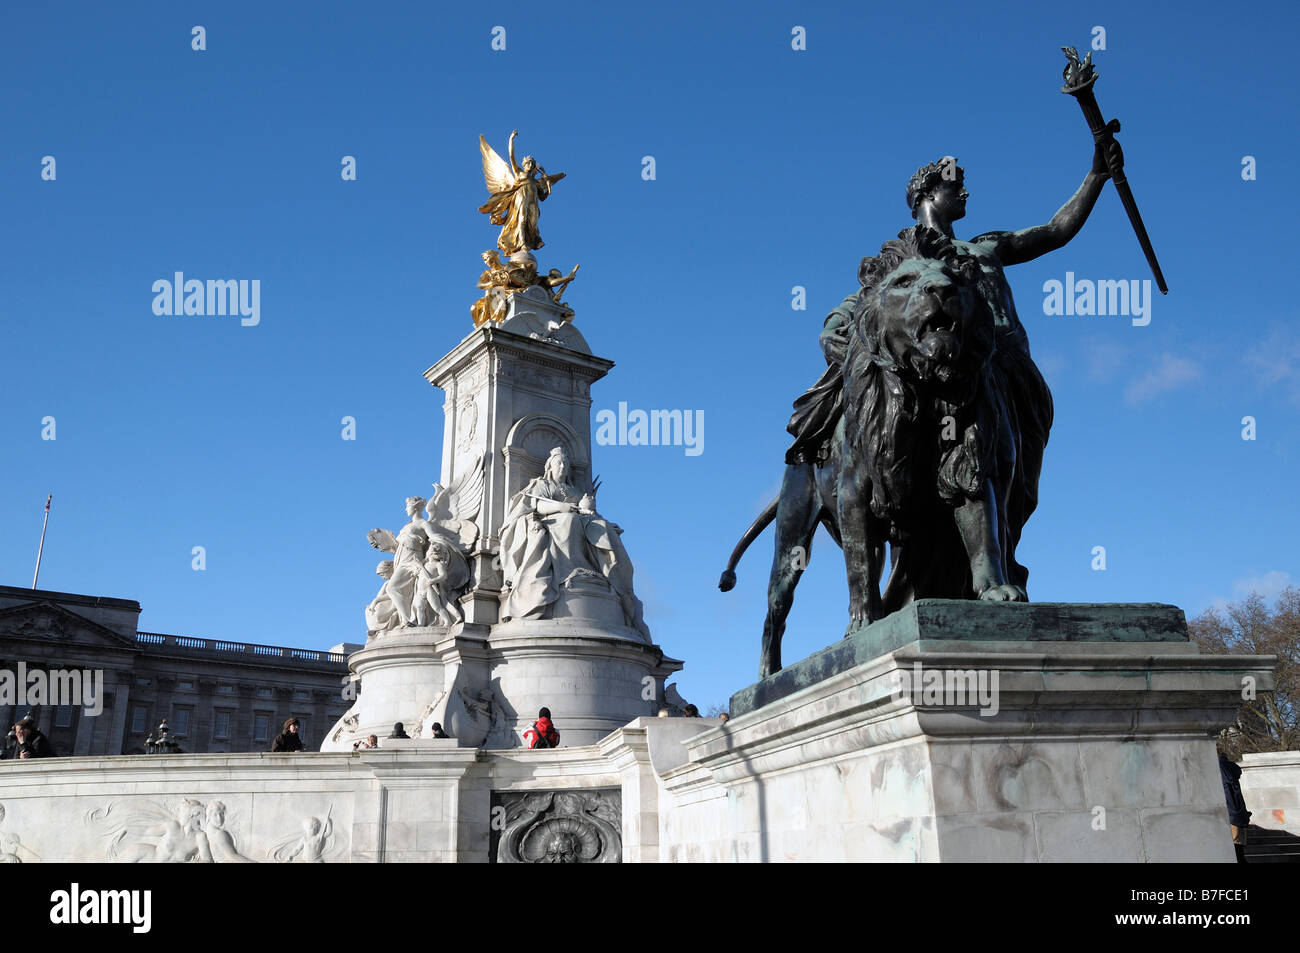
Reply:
x=728, y=580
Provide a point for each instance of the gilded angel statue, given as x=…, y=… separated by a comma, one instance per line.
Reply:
x=429, y=569
x=516, y=191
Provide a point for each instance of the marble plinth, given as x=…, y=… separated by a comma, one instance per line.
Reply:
x=593, y=681
x=1085, y=750
x=485, y=685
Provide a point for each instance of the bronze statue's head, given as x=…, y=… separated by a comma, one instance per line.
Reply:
x=930, y=179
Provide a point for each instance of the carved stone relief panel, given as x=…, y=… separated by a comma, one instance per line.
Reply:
x=557, y=827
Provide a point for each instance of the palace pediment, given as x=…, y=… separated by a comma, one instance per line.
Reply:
x=48, y=622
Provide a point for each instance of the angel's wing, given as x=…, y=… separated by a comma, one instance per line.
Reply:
x=383, y=540
x=454, y=507
x=496, y=171
x=116, y=816
x=287, y=850
x=462, y=498
x=140, y=823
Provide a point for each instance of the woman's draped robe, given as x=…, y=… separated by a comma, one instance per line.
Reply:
x=540, y=553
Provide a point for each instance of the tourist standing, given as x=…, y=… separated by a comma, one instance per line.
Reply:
x=30, y=742
x=1238, y=816
x=288, y=739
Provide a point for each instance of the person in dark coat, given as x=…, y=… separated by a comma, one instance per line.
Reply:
x=399, y=731
x=288, y=739
x=11, y=746
x=1238, y=816
x=438, y=732
x=543, y=733
x=30, y=742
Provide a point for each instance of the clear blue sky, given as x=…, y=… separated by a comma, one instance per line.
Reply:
x=775, y=168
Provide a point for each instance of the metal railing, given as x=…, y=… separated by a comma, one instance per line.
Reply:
x=224, y=647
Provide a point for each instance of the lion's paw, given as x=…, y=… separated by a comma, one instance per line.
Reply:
x=1007, y=593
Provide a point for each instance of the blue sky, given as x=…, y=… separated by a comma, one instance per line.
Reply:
x=774, y=168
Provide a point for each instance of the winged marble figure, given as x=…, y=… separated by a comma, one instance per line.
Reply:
x=429, y=570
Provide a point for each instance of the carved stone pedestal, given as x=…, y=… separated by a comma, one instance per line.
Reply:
x=514, y=393
x=401, y=674
x=594, y=682
x=485, y=685
x=1083, y=733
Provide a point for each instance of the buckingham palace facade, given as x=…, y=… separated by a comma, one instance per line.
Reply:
x=215, y=695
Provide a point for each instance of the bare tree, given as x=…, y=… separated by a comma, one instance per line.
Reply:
x=1269, y=722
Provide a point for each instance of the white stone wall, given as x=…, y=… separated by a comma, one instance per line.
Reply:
x=1270, y=784
x=844, y=770
x=152, y=808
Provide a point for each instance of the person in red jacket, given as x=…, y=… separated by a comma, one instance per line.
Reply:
x=543, y=733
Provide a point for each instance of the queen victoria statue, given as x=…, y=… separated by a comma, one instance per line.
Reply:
x=553, y=537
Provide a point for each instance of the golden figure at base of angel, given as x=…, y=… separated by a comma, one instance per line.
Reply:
x=498, y=285
x=501, y=279
x=556, y=281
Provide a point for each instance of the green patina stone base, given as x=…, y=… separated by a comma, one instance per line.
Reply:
x=962, y=620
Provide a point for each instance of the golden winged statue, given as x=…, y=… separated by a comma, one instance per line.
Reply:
x=516, y=189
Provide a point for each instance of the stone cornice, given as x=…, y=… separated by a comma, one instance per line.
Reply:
x=518, y=346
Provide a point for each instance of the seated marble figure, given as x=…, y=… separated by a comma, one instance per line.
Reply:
x=551, y=537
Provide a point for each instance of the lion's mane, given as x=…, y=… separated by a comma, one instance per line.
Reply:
x=893, y=422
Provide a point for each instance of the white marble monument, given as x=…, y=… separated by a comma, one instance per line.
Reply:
x=508, y=590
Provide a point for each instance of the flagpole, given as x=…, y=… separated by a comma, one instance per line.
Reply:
x=41, y=548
